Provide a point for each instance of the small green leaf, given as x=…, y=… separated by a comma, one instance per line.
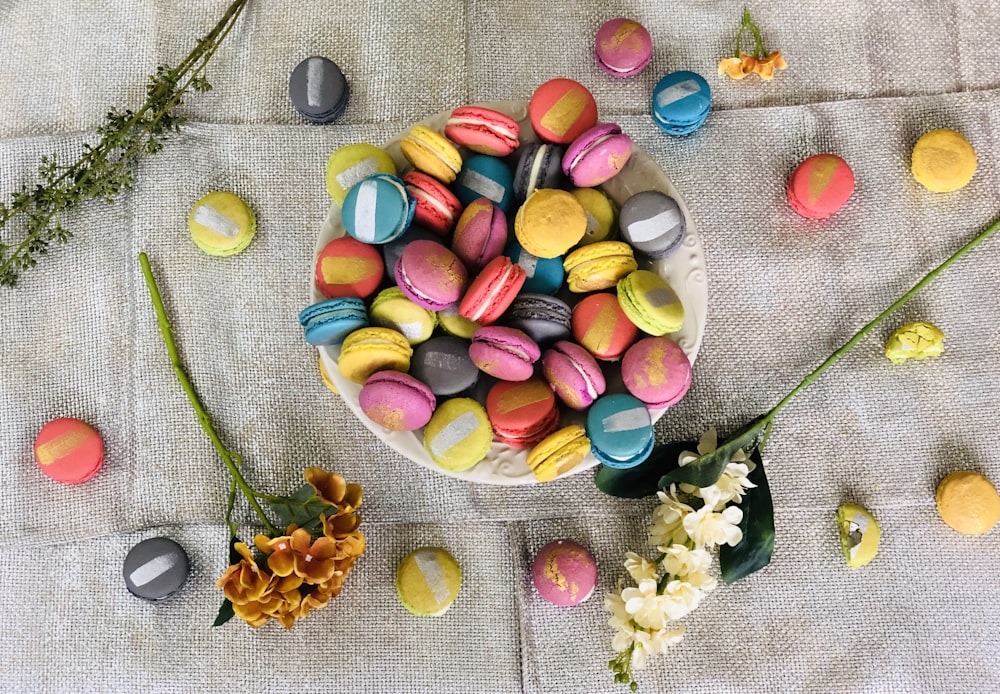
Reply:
x=706, y=470
x=234, y=556
x=754, y=550
x=225, y=614
x=641, y=480
x=303, y=509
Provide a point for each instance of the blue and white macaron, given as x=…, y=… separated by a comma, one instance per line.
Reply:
x=681, y=101
x=483, y=176
x=379, y=209
x=620, y=430
x=329, y=322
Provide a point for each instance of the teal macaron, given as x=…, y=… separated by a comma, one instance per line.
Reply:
x=379, y=209
x=620, y=430
x=329, y=322
x=681, y=101
x=542, y=275
x=483, y=176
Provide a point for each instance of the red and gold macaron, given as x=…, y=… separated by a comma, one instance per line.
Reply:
x=69, y=450
x=347, y=267
x=601, y=327
x=820, y=186
x=522, y=413
x=561, y=110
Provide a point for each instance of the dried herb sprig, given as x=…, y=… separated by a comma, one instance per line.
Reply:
x=30, y=222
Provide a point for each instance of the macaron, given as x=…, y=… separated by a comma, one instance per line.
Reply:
x=650, y=303
x=558, y=453
x=539, y=165
x=480, y=234
x=541, y=275
x=681, y=102
x=437, y=208
x=968, y=502
x=573, y=374
x=522, y=413
x=483, y=176
x=483, y=130
x=155, y=568
x=329, y=322
x=943, y=161
x=379, y=209
x=598, y=266
x=504, y=353
x=318, y=89
x=564, y=573
x=368, y=350
x=549, y=223
x=347, y=267
x=324, y=374
x=427, y=581
x=432, y=153
x=444, y=364
x=352, y=164
x=622, y=47
x=820, y=186
x=453, y=323
x=652, y=223
x=493, y=290
x=430, y=275
x=545, y=319
x=657, y=371
x=597, y=155
x=69, y=450
x=396, y=401
x=391, y=308
x=393, y=251
x=914, y=341
x=560, y=111
x=602, y=214
x=601, y=327
x=859, y=534
x=620, y=430
x=459, y=434
x=222, y=224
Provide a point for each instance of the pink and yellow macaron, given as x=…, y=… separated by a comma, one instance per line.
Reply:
x=561, y=110
x=820, y=186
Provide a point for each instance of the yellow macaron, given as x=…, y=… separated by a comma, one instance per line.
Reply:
x=352, y=164
x=968, y=502
x=598, y=266
x=602, y=214
x=431, y=153
x=550, y=222
x=326, y=378
x=368, y=350
x=453, y=323
x=222, y=224
x=459, y=434
x=558, y=453
x=943, y=161
x=650, y=303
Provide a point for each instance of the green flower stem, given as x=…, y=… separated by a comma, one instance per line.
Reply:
x=861, y=334
x=230, y=458
x=759, y=51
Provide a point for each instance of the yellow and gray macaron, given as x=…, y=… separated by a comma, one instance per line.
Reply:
x=427, y=581
x=222, y=224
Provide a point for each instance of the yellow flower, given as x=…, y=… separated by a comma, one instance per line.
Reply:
x=734, y=67
x=765, y=67
x=342, y=530
x=334, y=489
x=244, y=582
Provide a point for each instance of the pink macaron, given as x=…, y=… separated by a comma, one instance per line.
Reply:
x=480, y=235
x=504, y=353
x=564, y=573
x=656, y=370
x=820, y=186
x=396, y=401
x=483, y=130
x=573, y=374
x=597, y=155
x=622, y=47
x=430, y=275
x=437, y=207
x=493, y=291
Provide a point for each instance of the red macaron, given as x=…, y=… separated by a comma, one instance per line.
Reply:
x=69, y=451
x=522, y=413
x=601, y=326
x=493, y=291
x=820, y=186
x=561, y=110
x=347, y=267
x=483, y=130
x=437, y=207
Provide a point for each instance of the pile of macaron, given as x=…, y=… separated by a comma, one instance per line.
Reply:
x=493, y=293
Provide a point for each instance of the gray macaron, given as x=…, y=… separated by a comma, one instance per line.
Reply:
x=443, y=363
x=155, y=568
x=318, y=89
x=652, y=222
x=544, y=318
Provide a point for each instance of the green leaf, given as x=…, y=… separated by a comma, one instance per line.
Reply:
x=641, y=480
x=302, y=508
x=225, y=614
x=706, y=470
x=234, y=556
x=754, y=550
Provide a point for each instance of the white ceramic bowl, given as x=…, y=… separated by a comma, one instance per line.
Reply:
x=684, y=269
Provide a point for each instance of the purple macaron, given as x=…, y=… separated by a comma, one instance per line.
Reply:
x=396, y=401
x=573, y=374
x=480, y=234
x=504, y=353
x=597, y=155
x=623, y=47
x=430, y=275
x=564, y=573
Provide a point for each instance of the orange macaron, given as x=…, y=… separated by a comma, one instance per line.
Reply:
x=69, y=450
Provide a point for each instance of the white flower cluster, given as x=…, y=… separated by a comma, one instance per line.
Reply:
x=644, y=616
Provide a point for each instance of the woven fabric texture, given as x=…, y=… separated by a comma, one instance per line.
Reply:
x=78, y=337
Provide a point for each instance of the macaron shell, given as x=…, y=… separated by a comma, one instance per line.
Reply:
x=539, y=166
x=561, y=110
x=558, y=453
x=601, y=327
x=428, y=581
x=69, y=450
x=820, y=186
x=480, y=234
x=968, y=502
x=492, y=291
x=431, y=275
x=598, y=266
x=543, y=318
x=542, y=275
x=459, y=434
x=657, y=371
x=573, y=374
x=155, y=568
x=393, y=309
x=326, y=378
x=318, y=89
x=549, y=223
x=522, y=414
x=504, y=353
x=620, y=430
x=482, y=176
x=444, y=364
x=437, y=208
x=377, y=210
x=369, y=350
x=650, y=303
x=597, y=155
x=483, y=130
x=396, y=401
x=943, y=161
x=329, y=322
x=432, y=153
x=347, y=267
x=653, y=223
x=351, y=164
x=623, y=47
x=222, y=224
x=453, y=323
x=564, y=573
x=681, y=102
x=602, y=215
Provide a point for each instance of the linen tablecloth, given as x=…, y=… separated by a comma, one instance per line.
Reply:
x=79, y=338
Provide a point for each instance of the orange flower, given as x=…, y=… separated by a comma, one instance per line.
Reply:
x=744, y=65
x=280, y=600
x=333, y=489
x=244, y=582
x=280, y=559
x=765, y=67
